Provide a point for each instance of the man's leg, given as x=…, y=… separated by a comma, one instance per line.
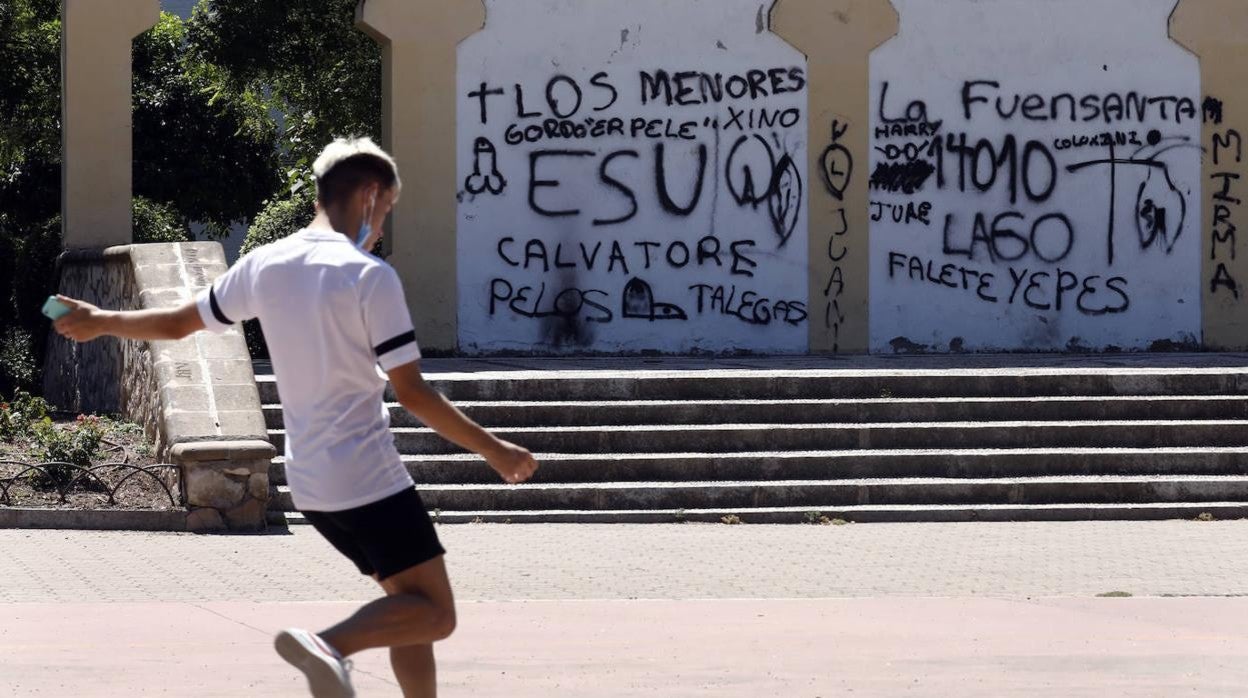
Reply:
x=415, y=669
x=418, y=611
x=414, y=665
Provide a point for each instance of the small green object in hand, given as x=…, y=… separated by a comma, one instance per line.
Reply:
x=55, y=309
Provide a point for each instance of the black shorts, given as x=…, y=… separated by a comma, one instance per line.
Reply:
x=383, y=538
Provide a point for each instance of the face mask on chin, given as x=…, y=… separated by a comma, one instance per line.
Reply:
x=366, y=226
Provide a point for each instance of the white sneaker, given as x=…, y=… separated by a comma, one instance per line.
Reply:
x=327, y=672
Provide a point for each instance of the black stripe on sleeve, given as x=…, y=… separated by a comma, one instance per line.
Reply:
x=216, y=308
x=395, y=343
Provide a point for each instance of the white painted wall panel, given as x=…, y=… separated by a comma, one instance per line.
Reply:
x=1035, y=178
x=631, y=178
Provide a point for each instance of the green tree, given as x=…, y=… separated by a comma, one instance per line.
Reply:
x=198, y=156
x=214, y=160
x=307, y=63
x=280, y=218
x=30, y=112
x=304, y=60
x=156, y=222
x=30, y=144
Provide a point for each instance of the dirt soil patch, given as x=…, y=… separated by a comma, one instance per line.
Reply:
x=123, y=474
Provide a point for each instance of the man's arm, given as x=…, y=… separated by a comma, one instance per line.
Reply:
x=514, y=463
x=87, y=322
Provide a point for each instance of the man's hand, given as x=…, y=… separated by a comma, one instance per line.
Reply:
x=86, y=322
x=83, y=323
x=514, y=463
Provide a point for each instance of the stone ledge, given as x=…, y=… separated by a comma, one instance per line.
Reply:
x=96, y=519
x=222, y=450
x=225, y=484
x=197, y=396
x=89, y=255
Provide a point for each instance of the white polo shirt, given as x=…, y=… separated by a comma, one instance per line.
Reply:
x=331, y=314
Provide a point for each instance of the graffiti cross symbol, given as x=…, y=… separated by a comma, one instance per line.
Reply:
x=1152, y=221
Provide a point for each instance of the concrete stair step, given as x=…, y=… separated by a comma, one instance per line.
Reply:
x=825, y=384
x=614, y=413
x=806, y=437
x=860, y=514
x=827, y=494
x=829, y=465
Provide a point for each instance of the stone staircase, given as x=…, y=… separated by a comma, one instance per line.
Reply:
x=865, y=439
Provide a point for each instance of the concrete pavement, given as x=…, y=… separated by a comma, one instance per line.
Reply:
x=690, y=561
x=879, y=610
x=985, y=648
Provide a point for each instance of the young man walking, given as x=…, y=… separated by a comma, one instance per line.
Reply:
x=332, y=313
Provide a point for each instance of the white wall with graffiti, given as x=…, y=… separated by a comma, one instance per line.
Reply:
x=631, y=178
x=1035, y=178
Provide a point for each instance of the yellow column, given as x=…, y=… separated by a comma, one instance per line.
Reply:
x=1217, y=32
x=419, y=40
x=837, y=37
x=96, y=122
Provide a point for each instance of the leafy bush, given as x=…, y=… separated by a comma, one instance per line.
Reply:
x=12, y=426
x=19, y=368
x=27, y=275
x=18, y=416
x=33, y=277
x=30, y=110
x=62, y=447
x=157, y=222
x=281, y=218
x=230, y=109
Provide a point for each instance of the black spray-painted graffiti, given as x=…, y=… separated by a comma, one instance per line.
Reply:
x=596, y=164
x=837, y=170
x=485, y=175
x=836, y=165
x=1028, y=242
x=1152, y=222
x=1091, y=295
x=639, y=304
x=624, y=260
x=1226, y=148
x=751, y=160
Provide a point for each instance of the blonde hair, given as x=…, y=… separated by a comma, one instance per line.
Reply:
x=348, y=163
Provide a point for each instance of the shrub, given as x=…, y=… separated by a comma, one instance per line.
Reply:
x=157, y=222
x=12, y=426
x=19, y=414
x=77, y=444
x=33, y=278
x=19, y=368
x=281, y=218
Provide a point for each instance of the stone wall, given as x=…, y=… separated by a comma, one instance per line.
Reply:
x=196, y=397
